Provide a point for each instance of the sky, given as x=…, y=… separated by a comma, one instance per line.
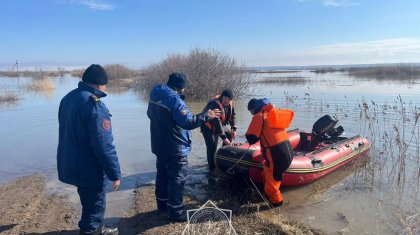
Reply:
x=137, y=33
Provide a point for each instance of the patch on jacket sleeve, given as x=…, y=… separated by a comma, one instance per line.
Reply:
x=106, y=124
x=95, y=98
x=184, y=111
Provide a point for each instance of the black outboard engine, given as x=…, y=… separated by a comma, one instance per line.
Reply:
x=324, y=129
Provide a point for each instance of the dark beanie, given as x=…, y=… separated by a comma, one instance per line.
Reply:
x=228, y=93
x=177, y=80
x=252, y=103
x=95, y=74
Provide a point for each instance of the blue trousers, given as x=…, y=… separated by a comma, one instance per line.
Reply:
x=93, y=207
x=171, y=175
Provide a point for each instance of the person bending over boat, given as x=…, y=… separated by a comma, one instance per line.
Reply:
x=216, y=127
x=171, y=123
x=268, y=126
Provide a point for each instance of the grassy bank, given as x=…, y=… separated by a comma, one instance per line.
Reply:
x=37, y=74
x=246, y=219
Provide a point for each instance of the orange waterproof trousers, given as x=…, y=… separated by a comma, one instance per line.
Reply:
x=271, y=186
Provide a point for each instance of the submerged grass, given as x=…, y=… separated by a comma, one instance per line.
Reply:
x=8, y=98
x=390, y=72
x=283, y=80
x=397, y=72
x=274, y=71
x=44, y=84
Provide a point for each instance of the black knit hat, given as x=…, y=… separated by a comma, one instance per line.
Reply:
x=177, y=80
x=251, y=104
x=95, y=74
x=228, y=93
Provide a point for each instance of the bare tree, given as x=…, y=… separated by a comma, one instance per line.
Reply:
x=118, y=72
x=209, y=71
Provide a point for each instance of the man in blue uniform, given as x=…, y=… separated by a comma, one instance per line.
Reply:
x=86, y=155
x=170, y=125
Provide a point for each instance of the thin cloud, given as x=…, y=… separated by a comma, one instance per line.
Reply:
x=95, y=5
x=92, y=4
x=396, y=50
x=333, y=3
x=380, y=47
x=339, y=3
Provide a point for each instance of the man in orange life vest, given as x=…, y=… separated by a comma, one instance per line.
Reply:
x=216, y=127
x=275, y=144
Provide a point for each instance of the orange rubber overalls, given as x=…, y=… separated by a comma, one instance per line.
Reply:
x=275, y=147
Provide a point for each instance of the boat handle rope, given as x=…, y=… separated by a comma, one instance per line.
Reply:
x=263, y=198
x=231, y=170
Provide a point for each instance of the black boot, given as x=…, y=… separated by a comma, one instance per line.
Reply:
x=277, y=204
x=181, y=218
x=101, y=231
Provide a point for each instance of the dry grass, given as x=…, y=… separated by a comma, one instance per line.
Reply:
x=77, y=73
x=8, y=98
x=246, y=218
x=44, y=84
x=251, y=215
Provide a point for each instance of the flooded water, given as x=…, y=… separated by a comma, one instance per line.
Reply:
x=377, y=196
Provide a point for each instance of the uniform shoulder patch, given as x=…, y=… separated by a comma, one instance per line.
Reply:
x=106, y=124
x=184, y=111
x=95, y=98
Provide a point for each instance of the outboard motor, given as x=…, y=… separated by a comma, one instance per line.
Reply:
x=324, y=129
x=323, y=125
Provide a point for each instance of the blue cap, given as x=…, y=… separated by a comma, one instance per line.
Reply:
x=254, y=105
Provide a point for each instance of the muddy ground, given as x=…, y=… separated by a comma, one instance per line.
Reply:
x=25, y=208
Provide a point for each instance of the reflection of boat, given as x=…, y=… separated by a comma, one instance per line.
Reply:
x=316, y=154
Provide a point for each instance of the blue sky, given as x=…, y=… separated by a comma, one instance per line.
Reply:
x=259, y=33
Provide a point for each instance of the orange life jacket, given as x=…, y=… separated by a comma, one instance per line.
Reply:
x=222, y=111
x=273, y=137
x=270, y=124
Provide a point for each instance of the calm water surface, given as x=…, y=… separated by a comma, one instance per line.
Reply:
x=368, y=198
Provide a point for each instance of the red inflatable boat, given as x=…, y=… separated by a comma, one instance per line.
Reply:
x=315, y=154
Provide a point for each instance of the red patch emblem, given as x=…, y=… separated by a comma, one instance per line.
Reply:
x=106, y=124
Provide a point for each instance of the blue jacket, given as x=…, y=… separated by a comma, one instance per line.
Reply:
x=171, y=122
x=85, y=152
